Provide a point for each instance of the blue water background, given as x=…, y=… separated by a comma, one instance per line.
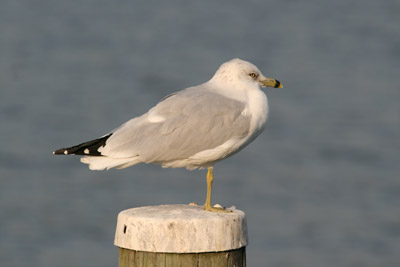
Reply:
x=321, y=185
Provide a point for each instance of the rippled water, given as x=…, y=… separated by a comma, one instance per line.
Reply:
x=320, y=186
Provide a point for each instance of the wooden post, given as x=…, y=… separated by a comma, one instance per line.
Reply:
x=181, y=235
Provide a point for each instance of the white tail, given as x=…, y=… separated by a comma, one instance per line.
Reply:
x=102, y=163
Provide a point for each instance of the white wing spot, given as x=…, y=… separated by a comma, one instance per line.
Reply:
x=65, y=152
x=86, y=151
x=154, y=118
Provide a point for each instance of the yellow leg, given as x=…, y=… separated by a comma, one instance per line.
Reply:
x=207, y=205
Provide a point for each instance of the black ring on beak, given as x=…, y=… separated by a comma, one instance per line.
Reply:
x=277, y=84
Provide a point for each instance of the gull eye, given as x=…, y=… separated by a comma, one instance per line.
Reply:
x=253, y=75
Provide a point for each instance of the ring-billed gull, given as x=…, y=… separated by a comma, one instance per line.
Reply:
x=192, y=128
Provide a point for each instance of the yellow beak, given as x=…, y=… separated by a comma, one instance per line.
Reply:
x=269, y=82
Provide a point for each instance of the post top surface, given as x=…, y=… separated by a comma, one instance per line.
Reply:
x=180, y=229
x=179, y=211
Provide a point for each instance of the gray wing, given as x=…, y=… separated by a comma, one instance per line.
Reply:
x=193, y=120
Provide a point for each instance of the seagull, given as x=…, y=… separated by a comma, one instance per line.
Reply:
x=193, y=128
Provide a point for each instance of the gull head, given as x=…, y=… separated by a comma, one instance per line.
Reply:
x=238, y=71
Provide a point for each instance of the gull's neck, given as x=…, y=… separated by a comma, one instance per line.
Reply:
x=232, y=88
x=249, y=93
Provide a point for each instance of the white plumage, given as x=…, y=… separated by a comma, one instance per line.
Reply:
x=193, y=128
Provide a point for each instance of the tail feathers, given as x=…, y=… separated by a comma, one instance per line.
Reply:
x=88, y=148
x=102, y=163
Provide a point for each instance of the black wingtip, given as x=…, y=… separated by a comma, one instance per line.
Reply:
x=60, y=151
x=88, y=148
